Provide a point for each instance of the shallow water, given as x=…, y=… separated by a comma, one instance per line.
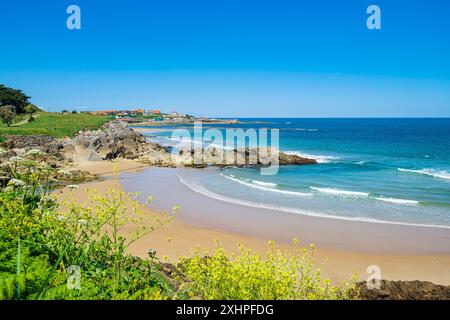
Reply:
x=381, y=170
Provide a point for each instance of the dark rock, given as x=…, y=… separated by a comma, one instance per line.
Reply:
x=404, y=290
x=45, y=143
x=4, y=156
x=113, y=140
x=287, y=159
x=240, y=158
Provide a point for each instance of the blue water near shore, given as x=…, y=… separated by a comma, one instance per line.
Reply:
x=380, y=170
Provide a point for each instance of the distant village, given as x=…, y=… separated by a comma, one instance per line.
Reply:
x=153, y=115
x=139, y=115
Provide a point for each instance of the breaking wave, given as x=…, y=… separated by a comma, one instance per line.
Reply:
x=318, y=158
x=263, y=186
x=429, y=172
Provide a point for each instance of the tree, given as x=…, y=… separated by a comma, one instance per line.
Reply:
x=7, y=114
x=31, y=109
x=13, y=97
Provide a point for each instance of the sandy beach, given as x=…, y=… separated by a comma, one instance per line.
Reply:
x=401, y=252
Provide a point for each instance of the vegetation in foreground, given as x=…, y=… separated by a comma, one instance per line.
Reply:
x=277, y=275
x=43, y=243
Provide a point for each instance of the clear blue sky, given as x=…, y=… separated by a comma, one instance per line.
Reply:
x=231, y=57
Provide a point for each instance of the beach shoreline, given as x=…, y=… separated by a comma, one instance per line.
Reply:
x=281, y=226
x=185, y=232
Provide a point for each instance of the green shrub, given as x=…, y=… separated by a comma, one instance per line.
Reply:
x=40, y=238
x=249, y=276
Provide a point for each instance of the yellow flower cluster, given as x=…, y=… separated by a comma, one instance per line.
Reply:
x=250, y=276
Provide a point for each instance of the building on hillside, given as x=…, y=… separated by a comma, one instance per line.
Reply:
x=122, y=114
x=104, y=112
x=153, y=112
x=139, y=111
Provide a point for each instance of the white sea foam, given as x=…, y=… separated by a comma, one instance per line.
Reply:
x=258, y=185
x=318, y=158
x=429, y=172
x=185, y=140
x=267, y=184
x=339, y=192
x=299, y=129
x=201, y=190
x=398, y=201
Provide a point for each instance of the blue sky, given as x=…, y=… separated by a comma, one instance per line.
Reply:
x=232, y=58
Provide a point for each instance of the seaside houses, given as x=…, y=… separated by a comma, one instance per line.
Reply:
x=105, y=112
x=122, y=114
x=152, y=113
x=173, y=116
x=141, y=114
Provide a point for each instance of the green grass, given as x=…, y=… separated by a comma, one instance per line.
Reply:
x=56, y=124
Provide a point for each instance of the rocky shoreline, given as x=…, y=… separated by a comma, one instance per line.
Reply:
x=116, y=140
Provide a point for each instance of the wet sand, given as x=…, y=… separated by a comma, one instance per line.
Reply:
x=359, y=236
x=402, y=252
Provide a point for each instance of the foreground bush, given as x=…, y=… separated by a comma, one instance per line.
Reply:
x=249, y=276
x=41, y=241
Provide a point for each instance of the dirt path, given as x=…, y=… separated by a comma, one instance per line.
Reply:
x=25, y=121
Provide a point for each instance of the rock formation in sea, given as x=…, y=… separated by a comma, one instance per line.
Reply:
x=116, y=140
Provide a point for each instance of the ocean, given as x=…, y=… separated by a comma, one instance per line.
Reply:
x=377, y=170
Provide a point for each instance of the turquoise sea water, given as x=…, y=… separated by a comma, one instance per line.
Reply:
x=381, y=170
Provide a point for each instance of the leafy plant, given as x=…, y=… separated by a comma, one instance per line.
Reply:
x=7, y=114
x=41, y=238
x=250, y=276
x=13, y=97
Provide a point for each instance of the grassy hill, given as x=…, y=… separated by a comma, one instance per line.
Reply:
x=56, y=124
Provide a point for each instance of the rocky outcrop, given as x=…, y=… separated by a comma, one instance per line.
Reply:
x=116, y=140
x=287, y=159
x=263, y=156
x=112, y=141
x=46, y=143
x=404, y=290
